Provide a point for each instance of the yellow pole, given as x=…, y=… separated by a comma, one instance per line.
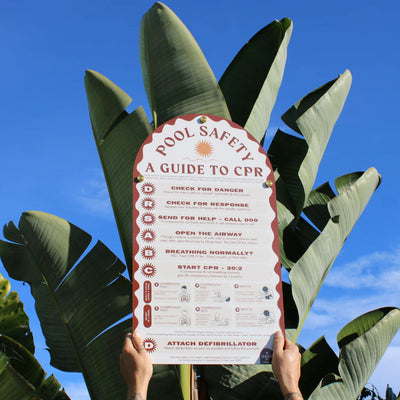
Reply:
x=185, y=379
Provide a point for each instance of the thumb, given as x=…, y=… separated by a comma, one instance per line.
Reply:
x=137, y=341
x=279, y=341
x=137, y=334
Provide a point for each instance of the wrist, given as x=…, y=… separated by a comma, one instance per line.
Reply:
x=289, y=386
x=293, y=396
x=137, y=392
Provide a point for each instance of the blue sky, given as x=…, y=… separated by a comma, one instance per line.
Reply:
x=50, y=161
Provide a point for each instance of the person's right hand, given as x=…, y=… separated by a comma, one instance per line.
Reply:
x=286, y=361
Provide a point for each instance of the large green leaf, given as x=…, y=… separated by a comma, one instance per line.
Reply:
x=14, y=323
x=313, y=117
x=76, y=304
x=315, y=207
x=296, y=161
x=79, y=296
x=324, y=376
x=176, y=75
x=118, y=136
x=238, y=382
x=251, y=82
x=362, y=344
x=22, y=377
x=295, y=242
x=308, y=273
x=316, y=362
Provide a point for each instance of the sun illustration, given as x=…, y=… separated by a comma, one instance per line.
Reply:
x=204, y=148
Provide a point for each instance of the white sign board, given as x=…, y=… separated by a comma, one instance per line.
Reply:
x=207, y=287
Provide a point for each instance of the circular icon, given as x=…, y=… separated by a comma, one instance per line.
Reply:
x=148, y=203
x=148, y=270
x=197, y=285
x=236, y=285
x=197, y=308
x=156, y=308
x=156, y=284
x=148, y=252
x=237, y=309
x=148, y=188
x=148, y=235
x=150, y=345
x=148, y=218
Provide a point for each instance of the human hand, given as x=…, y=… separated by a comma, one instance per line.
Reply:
x=286, y=361
x=135, y=366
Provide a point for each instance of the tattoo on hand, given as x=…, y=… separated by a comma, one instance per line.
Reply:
x=137, y=396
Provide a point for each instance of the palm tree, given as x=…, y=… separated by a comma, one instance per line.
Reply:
x=82, y=297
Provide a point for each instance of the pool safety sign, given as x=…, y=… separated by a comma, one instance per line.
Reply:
x=207, y=286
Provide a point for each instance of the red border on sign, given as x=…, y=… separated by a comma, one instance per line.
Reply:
x=274, y=223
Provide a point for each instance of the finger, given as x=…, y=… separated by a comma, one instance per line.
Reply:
x=136, y=334
x=278, y=341
x=137, y=342
x=127, y=342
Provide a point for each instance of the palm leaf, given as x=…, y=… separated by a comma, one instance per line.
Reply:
x=14, y=323
x=238, y=382
x=362, y=344
x=308, y=273
x=22, y=377
x=176, y=75
x=251, y=82
x=118, y=136
x=75, y=303
x=80, y=298
x=315, y=207
x=316, y=362
x=313, y=117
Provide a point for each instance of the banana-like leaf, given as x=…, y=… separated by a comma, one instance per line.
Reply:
x=294, y=243
x=316, y=362
x=296, y=163
x=76, y=304
x=315, y=207
x=79, y=297
x=22, y=377
x=324, y=376
x=118, y=136
x=343, y=182
x=14, y=323
x=362, y=344
x=314, y=117
x=176, y=75
x=251, y=82
x=287, y=152
x=238, y=382
x=285, y=216
x=308, y=273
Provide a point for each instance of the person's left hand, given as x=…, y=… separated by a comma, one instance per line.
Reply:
x=135, y=364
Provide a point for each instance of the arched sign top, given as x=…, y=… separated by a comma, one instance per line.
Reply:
x=212, y=147
x=206, y=244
